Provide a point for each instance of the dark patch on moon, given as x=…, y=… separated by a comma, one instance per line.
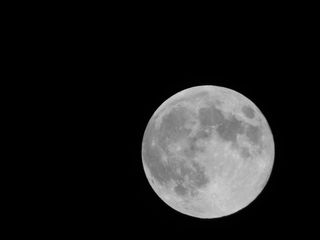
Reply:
x=180, y=189
x=210, y=116
x=244, y=152
x=248, y=111
x=230, y=129
x=254, y=134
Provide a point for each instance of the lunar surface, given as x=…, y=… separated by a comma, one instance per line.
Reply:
x=208, y=151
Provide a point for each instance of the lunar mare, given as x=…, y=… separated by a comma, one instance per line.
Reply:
x=208, y=151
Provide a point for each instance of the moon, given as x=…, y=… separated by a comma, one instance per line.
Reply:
x=207, y=151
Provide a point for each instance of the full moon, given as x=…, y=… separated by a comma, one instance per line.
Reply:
x=207, y=151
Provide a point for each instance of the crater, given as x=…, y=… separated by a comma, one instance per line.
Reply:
x=248, y=111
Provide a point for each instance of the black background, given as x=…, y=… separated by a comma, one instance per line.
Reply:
x=85, y=87
x=107, y=93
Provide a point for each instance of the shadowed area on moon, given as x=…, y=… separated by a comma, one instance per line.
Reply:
x=182, y=169
x=248, y=111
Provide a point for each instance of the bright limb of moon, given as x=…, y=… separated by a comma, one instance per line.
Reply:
x=208, y=151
